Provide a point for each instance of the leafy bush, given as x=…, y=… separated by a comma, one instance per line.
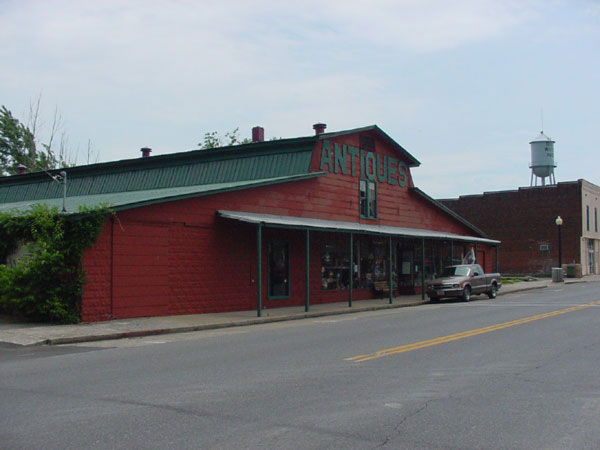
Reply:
x=46, y=283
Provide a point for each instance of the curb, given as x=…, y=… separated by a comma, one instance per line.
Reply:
x=241, y=323
x=248, y=322
x=213, y=326
x=528, y=288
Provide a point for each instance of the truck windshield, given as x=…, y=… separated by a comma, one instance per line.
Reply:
x=458, y=271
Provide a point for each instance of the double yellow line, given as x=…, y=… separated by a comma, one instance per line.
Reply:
x=464, y=334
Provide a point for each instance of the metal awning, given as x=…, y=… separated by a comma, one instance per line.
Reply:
x=347, y=227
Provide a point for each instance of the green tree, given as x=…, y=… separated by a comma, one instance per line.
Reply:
x=213, y=140
x=18, y=147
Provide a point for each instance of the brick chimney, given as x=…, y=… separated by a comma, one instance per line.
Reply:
x=145, y=152
x=319, y=128
x=258, y=134
x=21, y=169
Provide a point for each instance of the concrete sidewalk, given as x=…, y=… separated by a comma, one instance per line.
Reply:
x=26, y=334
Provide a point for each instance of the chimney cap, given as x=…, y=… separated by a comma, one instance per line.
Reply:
x=319, y=127
x=145, y=152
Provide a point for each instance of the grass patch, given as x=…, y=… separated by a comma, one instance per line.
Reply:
x=512, y=279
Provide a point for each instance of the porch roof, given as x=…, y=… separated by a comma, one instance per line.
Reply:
x=307, y=223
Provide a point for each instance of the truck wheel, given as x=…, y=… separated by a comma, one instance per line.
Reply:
x=466, y=295
x=434, y=298
x=492, y=292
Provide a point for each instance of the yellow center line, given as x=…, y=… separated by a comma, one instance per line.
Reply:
x=464, y=334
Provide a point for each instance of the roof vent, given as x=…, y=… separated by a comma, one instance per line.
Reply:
x=145, y=152
x=258, y=134
x=319, y=128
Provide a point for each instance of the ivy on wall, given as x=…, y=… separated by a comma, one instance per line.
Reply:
x=45, y=283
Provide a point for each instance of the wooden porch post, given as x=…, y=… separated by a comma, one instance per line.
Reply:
x=259, y=270
x=351, y=270
x=390, y=284
x=307, y=299
x=422, y=268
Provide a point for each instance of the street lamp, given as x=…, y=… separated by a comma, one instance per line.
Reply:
x=559, y=223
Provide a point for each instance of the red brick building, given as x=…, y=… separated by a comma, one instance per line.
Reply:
x=324, y=218
x=525, y=221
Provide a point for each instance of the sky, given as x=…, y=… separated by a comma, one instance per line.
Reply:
x=464, y=86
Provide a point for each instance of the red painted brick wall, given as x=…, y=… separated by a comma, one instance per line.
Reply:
x=141, y=269
x=523, y=220
x=96, y=302
x=180, y=258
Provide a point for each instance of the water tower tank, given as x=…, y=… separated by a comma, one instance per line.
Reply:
x=542, y=159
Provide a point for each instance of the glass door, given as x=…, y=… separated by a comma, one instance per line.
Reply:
x=279, y=270
x=591, y=256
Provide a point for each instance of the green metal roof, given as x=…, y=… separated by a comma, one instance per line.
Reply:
x=191, y=169
x=132, y=199
x=139, y=180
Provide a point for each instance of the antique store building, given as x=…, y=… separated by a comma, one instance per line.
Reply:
x=325, y=218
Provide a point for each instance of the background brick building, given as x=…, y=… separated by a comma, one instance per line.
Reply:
x=524, y=220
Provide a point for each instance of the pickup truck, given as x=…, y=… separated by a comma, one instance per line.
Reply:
x=463, y=281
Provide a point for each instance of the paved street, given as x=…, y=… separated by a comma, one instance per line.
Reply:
x=518, y=372
x=27, y=334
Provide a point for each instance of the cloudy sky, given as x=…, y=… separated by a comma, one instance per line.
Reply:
x=462, y=85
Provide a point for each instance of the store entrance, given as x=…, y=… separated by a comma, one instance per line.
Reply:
x=406, y=255
x=591, y=257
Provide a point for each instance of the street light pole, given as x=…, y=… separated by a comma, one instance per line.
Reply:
x=559, y=223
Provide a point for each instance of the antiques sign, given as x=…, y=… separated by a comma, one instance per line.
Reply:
x=349, y=160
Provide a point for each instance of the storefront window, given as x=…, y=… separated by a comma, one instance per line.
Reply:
x=373, y=261
x=335, y=266
x=437, y=256
x=370, y=263
x=279, y=270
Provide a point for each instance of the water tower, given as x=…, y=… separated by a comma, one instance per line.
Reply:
x=542, y=160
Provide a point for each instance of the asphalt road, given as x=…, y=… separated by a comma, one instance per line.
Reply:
x=518, y=372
